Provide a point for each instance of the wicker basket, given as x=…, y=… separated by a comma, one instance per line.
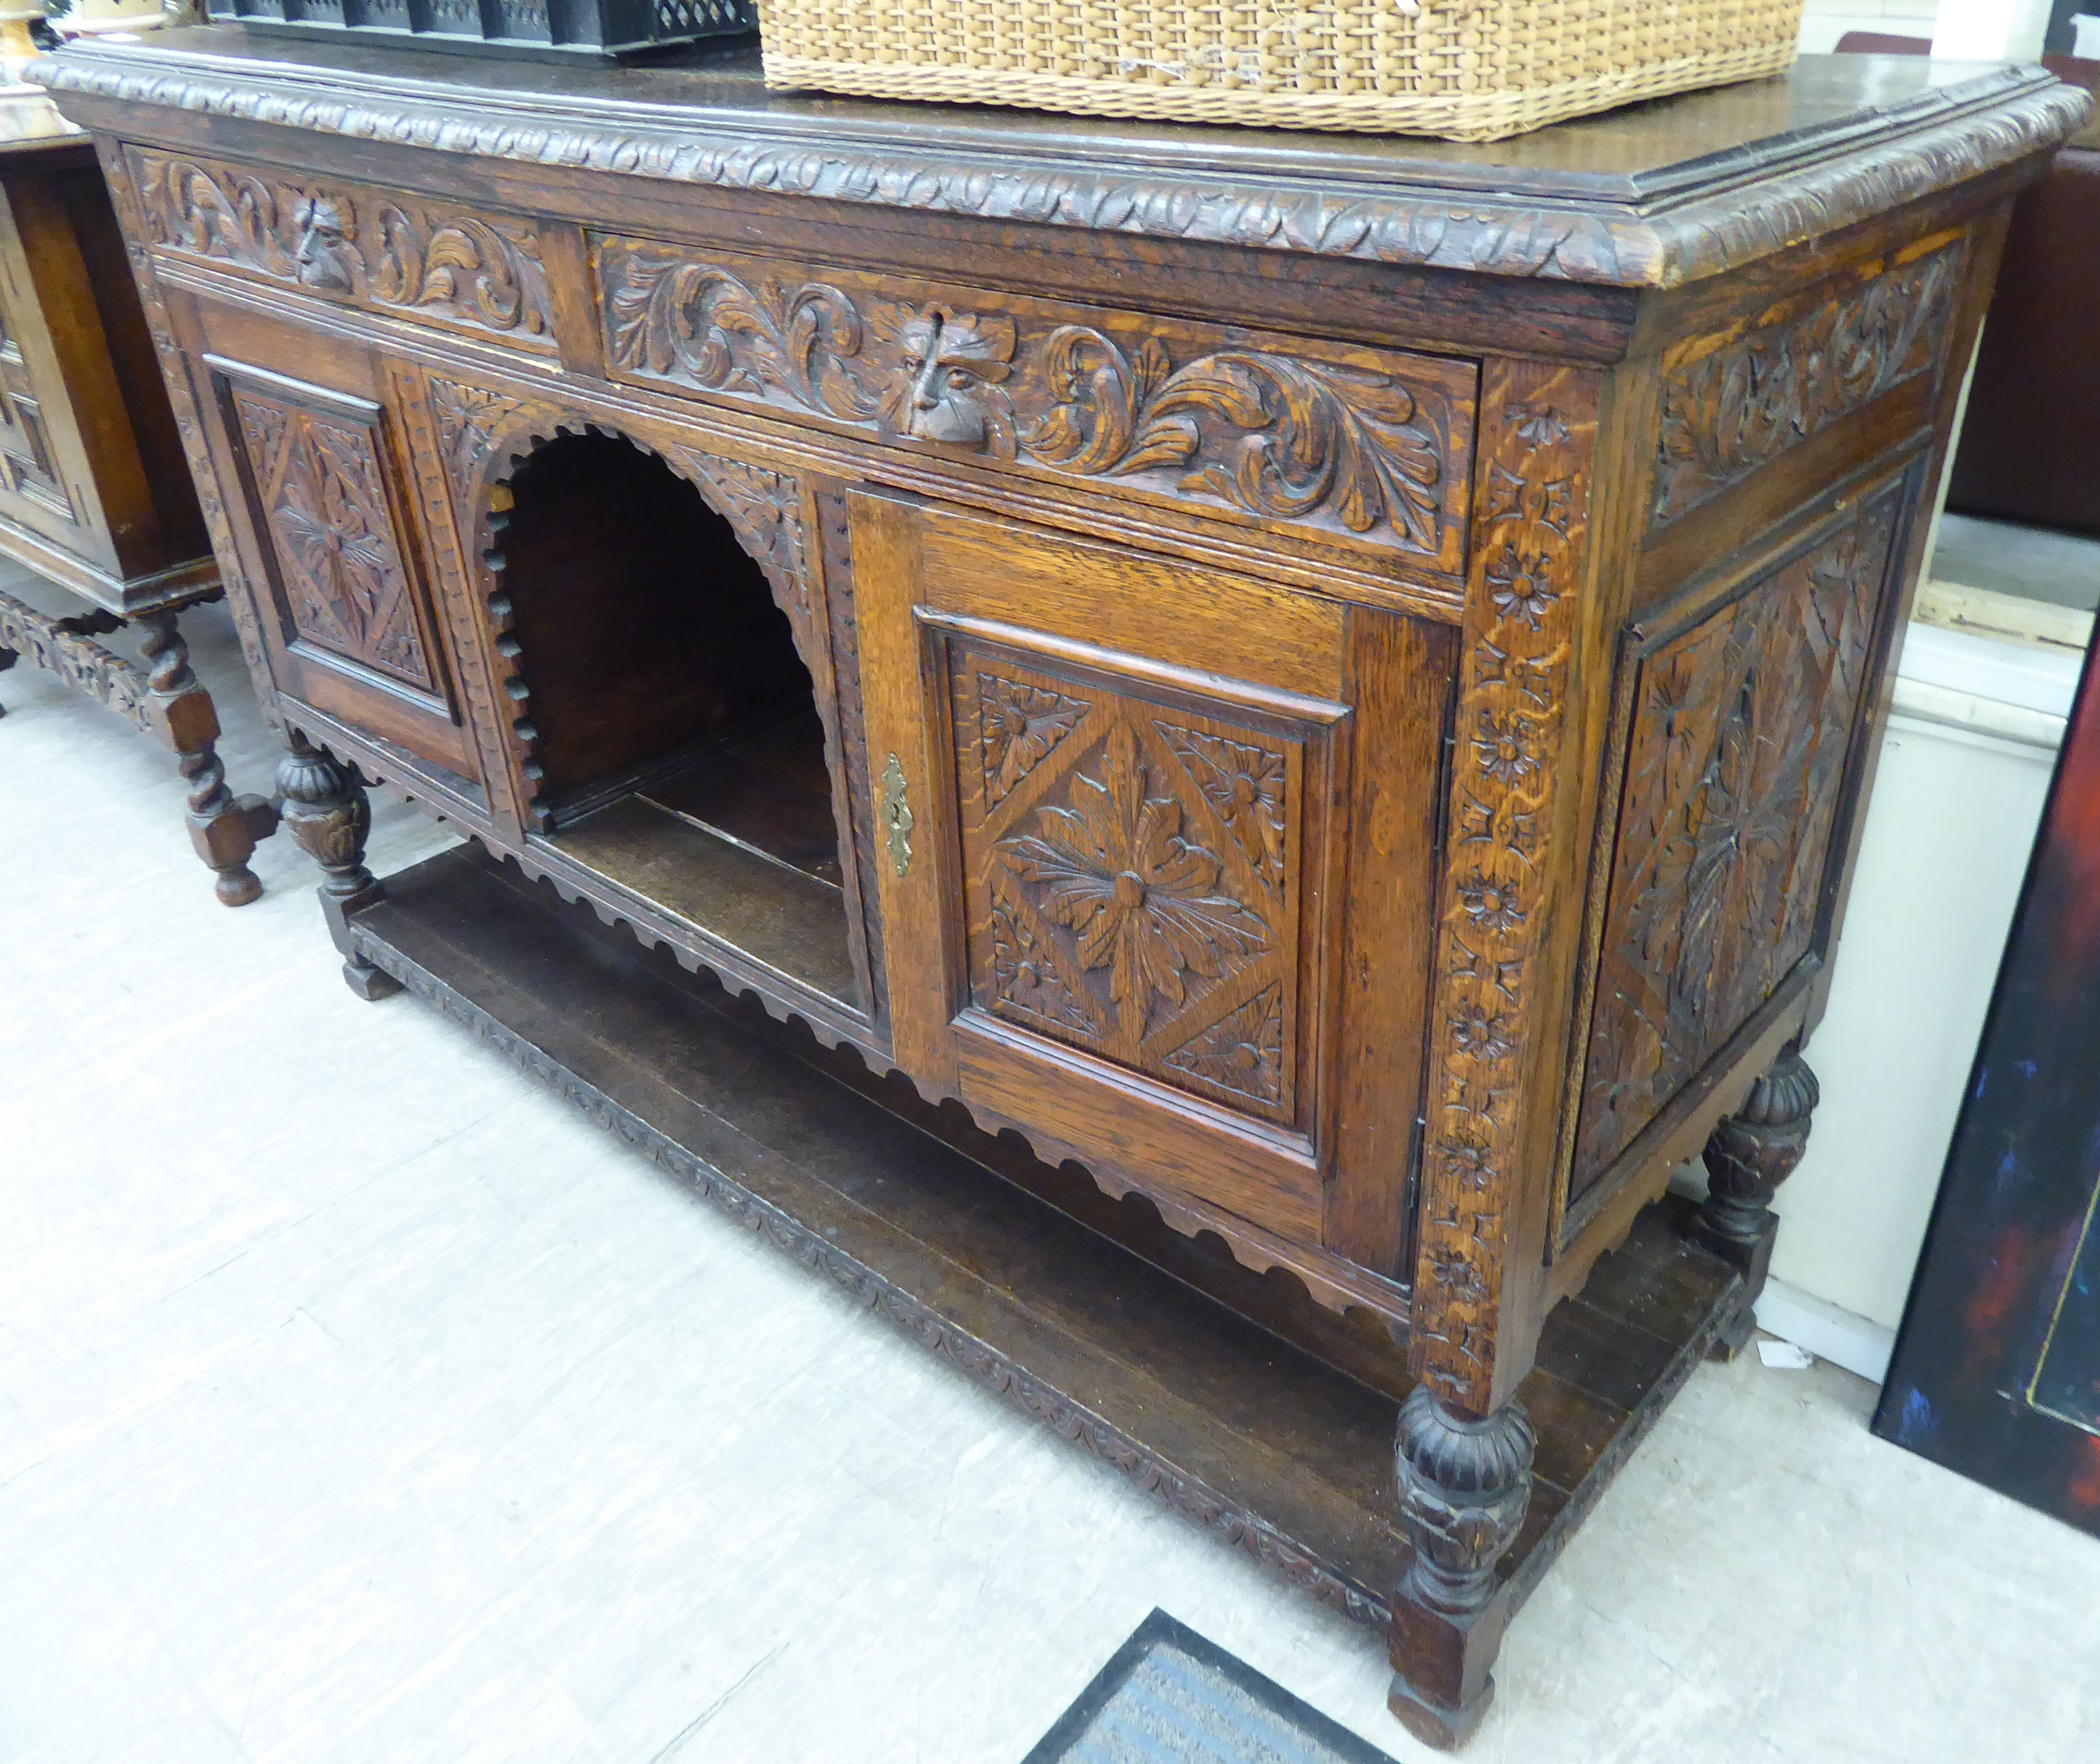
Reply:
x=1470, y=70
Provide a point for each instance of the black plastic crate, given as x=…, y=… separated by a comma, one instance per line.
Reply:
x=541, y=29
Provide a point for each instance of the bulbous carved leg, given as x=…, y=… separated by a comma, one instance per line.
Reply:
x=223, y=827
x=1465, y=1483
x=328, y=813
x=1748, y=1155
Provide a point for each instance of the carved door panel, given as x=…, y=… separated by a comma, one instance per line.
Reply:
x=1106, y=790
x=352, y=620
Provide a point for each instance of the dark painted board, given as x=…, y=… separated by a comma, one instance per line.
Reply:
x=1996, y=1372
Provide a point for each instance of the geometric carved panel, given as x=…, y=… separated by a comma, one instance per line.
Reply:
x=1735, y=763
x=323, y=496
x=1131, y=876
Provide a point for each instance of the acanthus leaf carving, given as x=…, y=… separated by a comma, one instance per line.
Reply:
x=674, y=319
x=1740, y=407
x=338, y=240
x=1277, y=436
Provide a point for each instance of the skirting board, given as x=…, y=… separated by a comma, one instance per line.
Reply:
x=1828, y=1331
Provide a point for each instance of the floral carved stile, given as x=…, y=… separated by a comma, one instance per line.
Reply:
x=1728, y=412
x=323, y=498
x=1341, y=445
x=389, y=253
x=1116, y=904
x=1735, y=765
x=1530, y=535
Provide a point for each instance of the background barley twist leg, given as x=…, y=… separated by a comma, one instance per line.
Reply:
x=1465, y=1483
x=6, y=661
x=328, y=813
x=223, y=827
x=1748, y=1155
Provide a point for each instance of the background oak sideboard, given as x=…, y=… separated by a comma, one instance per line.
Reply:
x=93, y=493
x=1327, y=684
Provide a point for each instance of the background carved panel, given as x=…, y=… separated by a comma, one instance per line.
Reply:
x=1735, y=763
x=321, y=496
x=1357, y=445
x=1131, y=877
x=394, y=253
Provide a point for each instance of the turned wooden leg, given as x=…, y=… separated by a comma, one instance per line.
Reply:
x=1465, y=1482
x=6, y=661
x=223, y=827
x=1748, y=1155
x=328, y=813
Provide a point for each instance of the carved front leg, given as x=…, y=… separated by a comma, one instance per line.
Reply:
x=1465, y=1482
x=223, y=827
x=328, y=813
x=1748, y=1155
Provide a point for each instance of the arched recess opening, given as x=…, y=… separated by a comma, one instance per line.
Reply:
x=672, y=738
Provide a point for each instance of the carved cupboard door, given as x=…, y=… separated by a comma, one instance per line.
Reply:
x=349, y=619
x=1106, y=792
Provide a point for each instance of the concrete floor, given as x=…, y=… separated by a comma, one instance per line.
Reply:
x=360, y=1402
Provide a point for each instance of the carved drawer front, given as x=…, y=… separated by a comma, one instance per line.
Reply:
x=383, y=250
x=1736, y=402
x=1105, y=785
x=1741, y=733
x=1323, y=441
x=354, y=622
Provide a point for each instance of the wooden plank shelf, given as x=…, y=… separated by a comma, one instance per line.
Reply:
x=1089, y=1313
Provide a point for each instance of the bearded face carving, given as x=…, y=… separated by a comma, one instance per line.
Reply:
x=324, y=253
x=945, y=384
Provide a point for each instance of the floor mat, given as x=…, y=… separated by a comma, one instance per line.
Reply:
x=1169, y=1695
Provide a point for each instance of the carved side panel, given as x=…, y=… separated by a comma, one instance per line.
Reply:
x=1491, y=1014
x=241, y=596
x=321, y=496
x=1365, y=447
x=1132, y=879
x=385, y=251
x=1729, y=412
x=1735, y=765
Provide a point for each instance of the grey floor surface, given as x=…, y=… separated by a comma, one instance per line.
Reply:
x=360, y=1402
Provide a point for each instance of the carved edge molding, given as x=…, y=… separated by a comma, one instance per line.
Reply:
x=1454, y=229
x=1538, y=429
x=1186, y=1494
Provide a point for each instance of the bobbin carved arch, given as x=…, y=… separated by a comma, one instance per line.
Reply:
x=576, y=529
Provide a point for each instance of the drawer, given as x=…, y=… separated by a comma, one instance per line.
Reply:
x=1368, y=449
x=381, y=250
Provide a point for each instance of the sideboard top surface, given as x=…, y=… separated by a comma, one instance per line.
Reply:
x=1655, y=194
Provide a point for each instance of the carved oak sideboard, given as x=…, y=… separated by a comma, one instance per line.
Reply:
x=93, y=495
x=1328, y=685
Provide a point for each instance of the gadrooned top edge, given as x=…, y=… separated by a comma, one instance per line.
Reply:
x=1599, y=243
